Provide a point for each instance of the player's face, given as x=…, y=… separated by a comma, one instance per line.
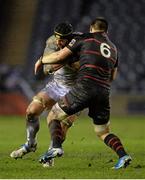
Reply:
x=61, y=43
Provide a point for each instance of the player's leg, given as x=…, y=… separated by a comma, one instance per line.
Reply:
x=33, y=112
x=58, y=114
x=54, y=115
x=100, y=112
x=56, y=91
x=58, y=130
x=67, y=123
x=114, y=143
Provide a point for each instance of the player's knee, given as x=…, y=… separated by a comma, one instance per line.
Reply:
x=31, y=114
x=39, y=100
x=58, y=113
x=31, y=118
x=35, y=107
x=101, y=129
x=31, y=110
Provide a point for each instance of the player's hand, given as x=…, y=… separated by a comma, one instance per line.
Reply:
x=38, y=65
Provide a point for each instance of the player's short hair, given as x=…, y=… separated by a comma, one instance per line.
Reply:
x=100, y=23
x=63, y=30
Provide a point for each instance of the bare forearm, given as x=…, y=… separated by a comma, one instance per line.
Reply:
x=51, y=58
x=57, y=57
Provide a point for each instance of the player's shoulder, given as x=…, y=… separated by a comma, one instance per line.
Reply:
x=77, y=38
x=51, y=44
x=88, y=35
x=77, y=35
x=83, y=35
x=50, y=39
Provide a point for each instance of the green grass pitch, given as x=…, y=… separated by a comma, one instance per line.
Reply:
x=85, y=157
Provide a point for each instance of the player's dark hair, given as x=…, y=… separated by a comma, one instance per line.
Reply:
x=63, y=30
x=100, y=23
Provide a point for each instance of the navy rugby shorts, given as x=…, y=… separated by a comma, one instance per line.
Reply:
x=91, y=96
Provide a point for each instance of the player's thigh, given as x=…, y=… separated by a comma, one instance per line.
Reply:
x=40, y=102
x=75, y=101
x=99, y=108
x=55, y=90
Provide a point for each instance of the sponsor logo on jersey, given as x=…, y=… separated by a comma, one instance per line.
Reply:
x=72, y=42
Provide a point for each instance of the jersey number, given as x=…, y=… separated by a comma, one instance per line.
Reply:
x=105, y=50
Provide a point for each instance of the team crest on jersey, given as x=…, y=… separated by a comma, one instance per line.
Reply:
x=72, y=42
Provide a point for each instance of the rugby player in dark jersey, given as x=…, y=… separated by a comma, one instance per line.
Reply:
x=98, y=67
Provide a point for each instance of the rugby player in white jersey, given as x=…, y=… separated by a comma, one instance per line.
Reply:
x=60, y=82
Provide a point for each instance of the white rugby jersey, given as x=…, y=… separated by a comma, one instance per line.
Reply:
x=66, y=75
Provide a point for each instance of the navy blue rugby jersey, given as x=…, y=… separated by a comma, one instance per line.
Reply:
x=97, y=56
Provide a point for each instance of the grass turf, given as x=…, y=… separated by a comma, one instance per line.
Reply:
x=86, y=157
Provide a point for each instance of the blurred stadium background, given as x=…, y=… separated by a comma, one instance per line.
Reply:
x=25, y=26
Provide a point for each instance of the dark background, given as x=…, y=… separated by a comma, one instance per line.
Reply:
x=25, y=26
